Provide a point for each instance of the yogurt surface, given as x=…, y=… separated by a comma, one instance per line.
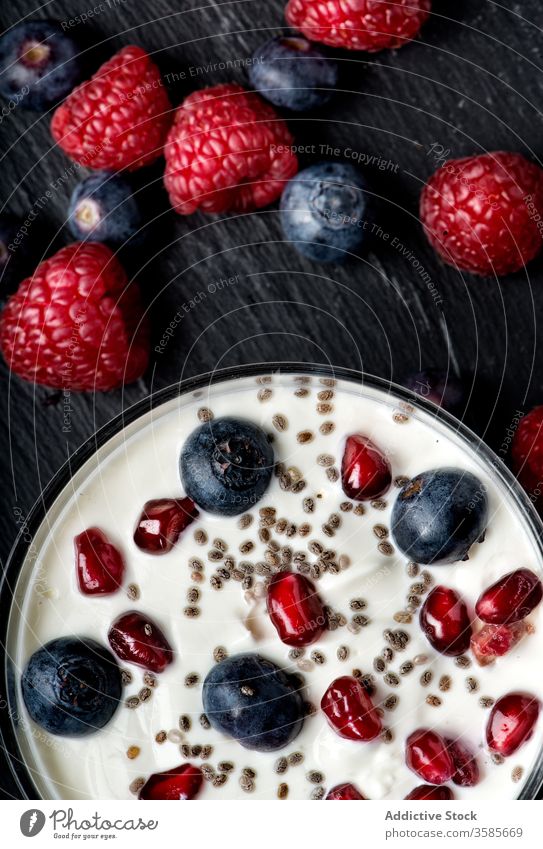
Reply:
x=141, y=463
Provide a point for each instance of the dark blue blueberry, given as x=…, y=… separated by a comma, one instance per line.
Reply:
x=104, y=209
x=226, y=466
x=72, y=686
x=254, y=701
x=324, y=211
x=39, y=64
x=439, y=515
x=441, y=387
x=292, y=73
x=11, y=259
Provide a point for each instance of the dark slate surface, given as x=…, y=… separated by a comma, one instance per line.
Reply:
x=473, y=83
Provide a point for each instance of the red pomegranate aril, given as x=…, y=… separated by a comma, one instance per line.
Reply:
x=161, y=522
x=427, y=754
x=180, y=783
x=494, y=641
x=431, y=794
x=350, y=711
x=345, y=793
x=511, y=598
x=365, y=470
x=511, y=722
x=295, y=609
x=137, y=639
x=99, y=564
x=466, y=768
x=445, y=622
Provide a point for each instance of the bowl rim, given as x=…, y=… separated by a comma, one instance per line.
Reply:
x=17, y=556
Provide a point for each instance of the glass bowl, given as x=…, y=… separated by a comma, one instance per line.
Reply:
x=20, y=571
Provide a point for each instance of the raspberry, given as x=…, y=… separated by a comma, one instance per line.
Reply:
x=481, y=213
x=227, y=151
x=75, y=324
x=118, y=119
x=370, y=25
x=527, y=453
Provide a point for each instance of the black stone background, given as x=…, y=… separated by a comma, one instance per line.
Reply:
x=473, y=82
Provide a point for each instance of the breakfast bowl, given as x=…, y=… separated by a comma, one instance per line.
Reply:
x=284, y=581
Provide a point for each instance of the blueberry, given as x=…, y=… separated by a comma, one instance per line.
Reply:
x=104, y=209
x=291, y=73
x=441, y=387
x=226, y=466
x=251, y=699
x=72, y=686
x=324, y=211
x=439, y=515
x=10, y=258
x=39, y=64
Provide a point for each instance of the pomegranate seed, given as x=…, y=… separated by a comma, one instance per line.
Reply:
x=295, y=609
x=99, y=564
x=345, y=792
x=511, y=722
x=466, y=769
x=511, y=598
x=445, y=622
x=494, y=641
x=181, y=782
x=350, y=710
x=435, y=794
x=161, y=522
x=427, y=755
x=365, y=471
x=137, y=639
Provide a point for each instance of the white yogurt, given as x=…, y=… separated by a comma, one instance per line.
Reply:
x=141, y=463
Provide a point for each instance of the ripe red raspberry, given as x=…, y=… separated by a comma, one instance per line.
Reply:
x=370, y=25
x=227, y=151
x=481, y=213
x=118, y=119
x=75, y=324
x=527, y=454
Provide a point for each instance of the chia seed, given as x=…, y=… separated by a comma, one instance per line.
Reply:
x=191, y=612
x=264, y=394
x=496, y=758
x=433, y=701
x=136, y=786
x=161, y=737
x=332, y=474
x=318, y=657
x=380, y=531
x=412, y=569
x=200, y=537
x=191, y=679
x=215, y=582
x=391, y=702
x=406, y=667
x=358, y=604
x=516, y=774
x=342, y=653
x=282, y=791
x=315, y=777
x=225, y=766
x=486, y=701
x=463, y=662
x=379, y=665
x=281, y=766
x=219, y=653
x=132, y=702
x=318, y=793
x=391, y=679
x=204, y=721
x=193, y=594
x=426, y=677
x=472, y=685
x=126, y=676
x=132, y=752
x=304, y=436
x=445, y=683
x=403, y=617
x=324, y=409
x=220, y=779
x=205, y=414
x=295, y=759
x=385, y=548
x=244, y=521
x=326, y=428
x=185, y=722
x=133, y=592
x=360, y=620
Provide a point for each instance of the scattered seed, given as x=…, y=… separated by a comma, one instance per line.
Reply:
x=359, y=510
x=387, y=654
x=244, y=521
x=325, y=460
x=315, y=777
x=126, y=677
x=318, y=657
x=412, y=569
x=379, y=665
x=420, y=659
x=426, y=677
x=185, y=722
x=246, y=690
x=304, y=436
x=219, y=780
x=472, y=684
x=400, y=418
x=403, y=617
x=132, y=702
x=391, y=679
x=200, y=537
x=318, y=793
x=133, y=752
x=136, y=786
x=301, y=392
x=264, y=394
x=133, y=592
x=219, y=653
x=385, y=548
x=215, y=582
x=360, y=620
x=214, y=555
x=175, y=736
x=246, y=546
x=406, y=667
x=305, y=665
x=516, y=774
x=332, y=474
x=387, y=736
x=358, y=604
x=264, y=378
x=206, y=752
x=445, y=683
x=346, y=506
x=195, y=751
x=463, y=662
x=326, y=428
x=342, y=653
x=191, y=679
x=378, y=504
x=225, y=766
x=208, y=772
x=193, y=594
x=161, y=737
x=497, y=758
x=191, y=612
x=145, y=694
x=414, y=601
x=204, y=721
x=304, y=529
x=282, y=791
x=295, y=759
x=246, y=783
x=486, y=701
x=280, y=766
x=391, y=702
x=147, y=629
x=380, y=531
x=324, y=409
x=400, y=481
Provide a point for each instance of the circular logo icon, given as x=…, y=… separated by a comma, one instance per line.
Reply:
x=32, y=822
